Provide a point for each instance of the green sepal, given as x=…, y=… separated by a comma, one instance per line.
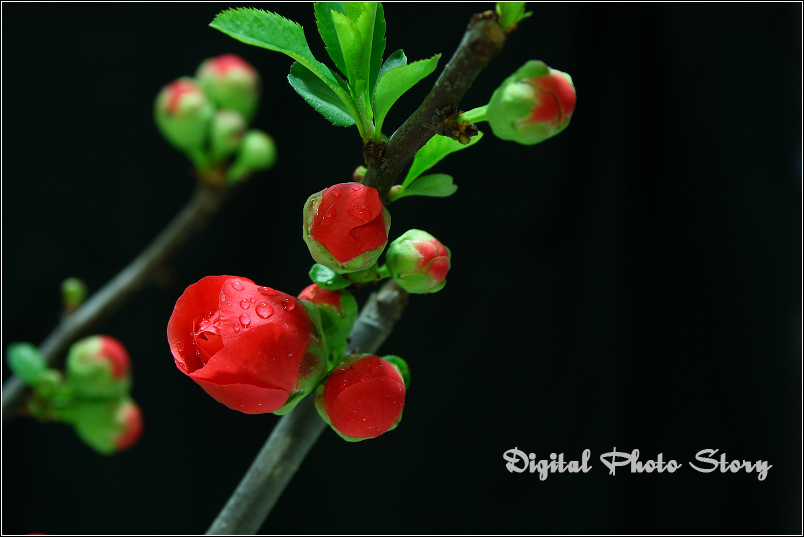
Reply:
x=432, y=152
x=438, y=185
x=319, y=95
x=326, y=278
x=368, y=275
x=401, y=366
x=26, y=362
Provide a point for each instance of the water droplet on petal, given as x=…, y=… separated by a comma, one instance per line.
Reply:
x=245, y=319
x=267, y=291
x=244, y=304
x=178, y=345
x=328, y=217
x=361, y=212
x=288, y=305
x=237, y=285
x=222, y=297
x=336, y=192
x=236, y=328
x=264, y=310
x=217, y=323
x=252, y=300
x=356, y=187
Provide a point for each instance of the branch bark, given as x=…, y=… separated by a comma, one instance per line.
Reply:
x=205, y=202
x=296, y=432
x=483, y=41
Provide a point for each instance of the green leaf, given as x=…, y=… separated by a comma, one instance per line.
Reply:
x=397, y=59
x=327, y=278
x=511, y=13
x=438, y=185
x=26, y=362
x=319, y=96
x=377, y=47
x=396, y=82
x=273, y=32
x=433, y=151
x=323, y=19
x=351, y=44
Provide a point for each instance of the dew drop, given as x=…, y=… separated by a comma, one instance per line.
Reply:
x=288, y=305
x=252, y=300
x=245, y=319
x=267, y=291
x=356, y=187
x=361, y=212
x=236, y=328
x=217, y=323
x=178, y=345
x=336, y=191
x=244, y=304
x=222, y=297
x=264, y=310
x=328, y=217
x=237, y=285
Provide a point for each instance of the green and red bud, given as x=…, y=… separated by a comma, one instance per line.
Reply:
x=226, y=131
x=418, y=262
x=532, y=105
x=338, y=311
x=231, y=82
x=362, y=398
x=346, y=227
x=182, y=112
x=98, y=367
x=256, y=152
x=108, y=426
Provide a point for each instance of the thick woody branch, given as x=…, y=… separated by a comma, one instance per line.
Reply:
x=296, y=432
x=483, y=40
x=204, y=203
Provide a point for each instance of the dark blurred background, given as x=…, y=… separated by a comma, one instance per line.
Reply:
x=633, y=283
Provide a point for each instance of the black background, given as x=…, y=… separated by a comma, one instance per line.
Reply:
x=634, y=283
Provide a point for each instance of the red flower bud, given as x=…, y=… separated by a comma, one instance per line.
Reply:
x=182, y=112
x=346, y=227
x=108, y=426
x=231, y=82
x=362, y=398
x=418, y=262
x=98, y=368
x=251, y=348
x=533, y=104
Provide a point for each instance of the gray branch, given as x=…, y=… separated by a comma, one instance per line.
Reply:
x=296, y=432
x=204, y=203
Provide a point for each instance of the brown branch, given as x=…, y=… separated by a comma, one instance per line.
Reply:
x=204, y=203
x=483, y=40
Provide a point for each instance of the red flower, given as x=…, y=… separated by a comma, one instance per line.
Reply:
x=251, y=348
x=346, y=227
x=362, y=398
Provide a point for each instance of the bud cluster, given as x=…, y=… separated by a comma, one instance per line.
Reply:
x=207, y=118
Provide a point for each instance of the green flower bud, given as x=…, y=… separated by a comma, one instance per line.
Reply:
x=108, y=426
x=26, y=362
x=256, y=152
x=532, y=105
x=98, y=368
x=232, y=83
x=225, y=133
x=73, y=293
x=418, y=262
x=182, y=112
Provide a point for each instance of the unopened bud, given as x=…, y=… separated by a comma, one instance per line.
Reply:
x=232, y=83
x=182, y=112
x=257, y=151
x=98, y=368
x=108, y=426
x=418, y=262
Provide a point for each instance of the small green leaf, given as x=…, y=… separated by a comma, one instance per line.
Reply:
x=351, y=44
x=327, y=278
x=397, y=59
x=395, y=82
x=433, y=151
x=323, y=19
x=319, y=96
x=26, y=362
x=511, y=13
x=377, y=47
x=437, y=185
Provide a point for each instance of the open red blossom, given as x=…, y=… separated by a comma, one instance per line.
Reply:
x=252, y=348
x=346, y=227
x=362, y=398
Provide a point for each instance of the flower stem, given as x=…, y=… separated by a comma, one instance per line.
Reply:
x=296, y=432
x=475, y=115
x=483, y=40
x=204, y=203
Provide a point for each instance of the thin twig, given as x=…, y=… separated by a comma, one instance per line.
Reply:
x=296, y=432
x=483, y=41
x=204, y=203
